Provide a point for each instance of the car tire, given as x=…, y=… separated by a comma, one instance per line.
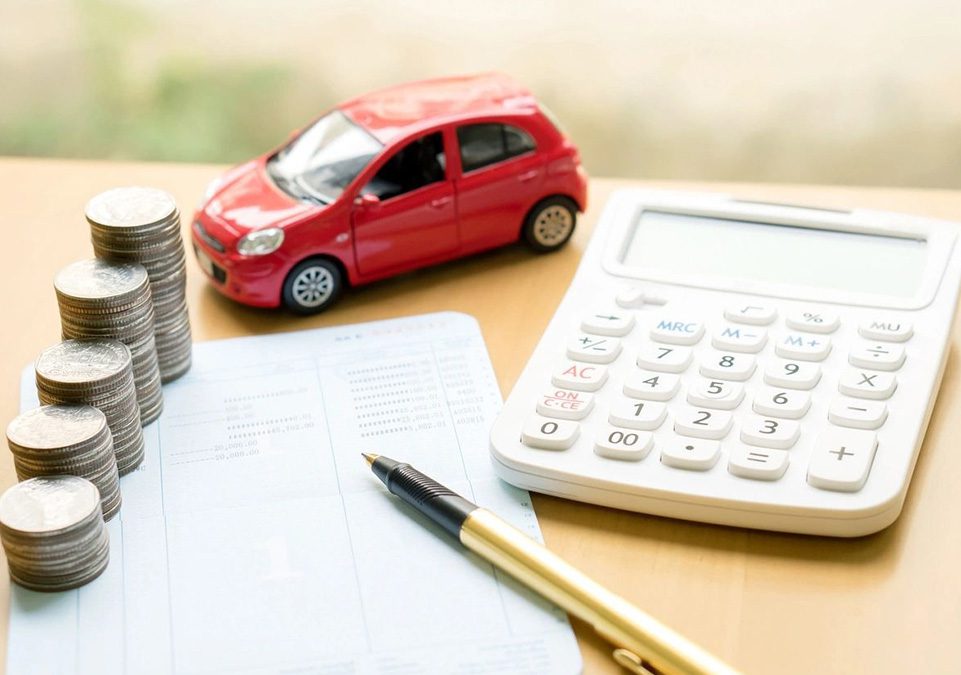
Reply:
x=312, y=286
x=550, y=224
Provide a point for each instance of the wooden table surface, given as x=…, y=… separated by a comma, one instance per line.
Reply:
x=765, y=602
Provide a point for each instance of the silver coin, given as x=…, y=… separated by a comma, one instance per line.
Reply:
x=49, y=504
x=130, y=207
x=75, y=362
x=56, y=426
x=96, y=279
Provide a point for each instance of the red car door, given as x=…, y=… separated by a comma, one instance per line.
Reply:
x=501, y=177
x=407, y=213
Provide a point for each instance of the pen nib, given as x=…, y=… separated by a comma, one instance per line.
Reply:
x=371, y=458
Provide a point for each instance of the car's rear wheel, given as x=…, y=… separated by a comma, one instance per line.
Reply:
x=313, y=286
x=550, y=224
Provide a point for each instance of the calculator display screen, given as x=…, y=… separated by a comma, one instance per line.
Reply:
x=847, y=261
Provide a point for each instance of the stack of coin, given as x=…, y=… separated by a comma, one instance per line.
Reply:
x=100, y=299
x=97, y=373
x=53, y=533
x=139, y=224
x=67, y=440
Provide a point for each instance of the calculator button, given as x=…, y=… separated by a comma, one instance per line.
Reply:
x=886, y=330
x=647, y=415
x=608, y=322
x=716, y=394
x=792, y=374
x=803, y=347
x=767, y=432
x=677, y=331
x=580, y=376
x=786, y=403
x=878, y=356
x=664, y=359
x=693, y=454
x=710, y=424
x=593, y=348
x=739, y=339
x=814, y=321
x=758, y=463
x=755, y=314
x=634, y=298
x=857, y=414
x=624, y=444
x=865, y=384
x=565, y=404
x=548, y=434
x=651, y=386
x=842, y=459
x=737, y=367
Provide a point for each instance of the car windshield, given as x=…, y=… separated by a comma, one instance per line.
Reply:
x=324, y=159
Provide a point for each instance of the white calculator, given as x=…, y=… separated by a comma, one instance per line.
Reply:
x=751, y=364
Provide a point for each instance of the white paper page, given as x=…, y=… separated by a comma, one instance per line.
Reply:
x=254, y=539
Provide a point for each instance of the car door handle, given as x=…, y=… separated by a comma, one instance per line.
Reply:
x=440, y=202
x=528, y=175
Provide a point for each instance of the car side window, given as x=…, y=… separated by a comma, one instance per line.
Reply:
x=490, y=142
x=419, y=163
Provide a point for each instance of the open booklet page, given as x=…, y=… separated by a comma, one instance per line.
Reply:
x=254, y=538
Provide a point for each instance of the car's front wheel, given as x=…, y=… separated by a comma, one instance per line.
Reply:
x=313, y=286
x=550, y=224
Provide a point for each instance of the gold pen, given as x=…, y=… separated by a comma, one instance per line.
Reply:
x=643, y=644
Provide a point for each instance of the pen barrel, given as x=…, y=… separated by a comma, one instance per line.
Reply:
x=615, y=618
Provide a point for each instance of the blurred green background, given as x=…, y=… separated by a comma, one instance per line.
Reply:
x=818, y=91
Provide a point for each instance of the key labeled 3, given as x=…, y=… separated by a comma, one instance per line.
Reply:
x=565, y=404
x=766, y=432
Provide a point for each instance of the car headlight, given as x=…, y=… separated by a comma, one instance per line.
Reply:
x=261, y=242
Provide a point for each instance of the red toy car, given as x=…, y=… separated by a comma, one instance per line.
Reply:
x=388, y=182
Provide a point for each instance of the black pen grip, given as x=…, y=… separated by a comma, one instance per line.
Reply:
x=442, y=505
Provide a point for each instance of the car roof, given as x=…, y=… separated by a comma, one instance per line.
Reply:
x=400, y=110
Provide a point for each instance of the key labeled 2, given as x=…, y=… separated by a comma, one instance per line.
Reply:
x=698, y=423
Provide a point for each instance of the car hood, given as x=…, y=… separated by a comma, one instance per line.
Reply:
x=248, y=200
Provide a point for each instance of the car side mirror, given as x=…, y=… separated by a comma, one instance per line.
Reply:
x=368, y=201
